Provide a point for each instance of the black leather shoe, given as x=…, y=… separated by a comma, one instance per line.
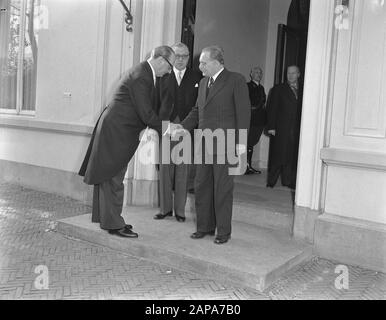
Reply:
x=248, y=171
x=129, y=226
x=254, y=170
x=124, y=232
x=199, y=234
x=221, y=239
x=180, y=219
x=160, y=215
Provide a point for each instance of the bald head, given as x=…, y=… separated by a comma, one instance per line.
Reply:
x=293, y=74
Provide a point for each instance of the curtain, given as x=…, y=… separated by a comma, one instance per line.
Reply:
x=9, y=24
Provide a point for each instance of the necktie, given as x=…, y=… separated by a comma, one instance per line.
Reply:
x=179, y=77
x=294, y=90
x=210, y=84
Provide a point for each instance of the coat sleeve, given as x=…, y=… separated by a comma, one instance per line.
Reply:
x=242, y=103
x=272, y=108
x=191, y=120
x=243, y=107
x=142, y=96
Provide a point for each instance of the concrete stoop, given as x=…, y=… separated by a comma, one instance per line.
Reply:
x=258, y=206
x=255, y=257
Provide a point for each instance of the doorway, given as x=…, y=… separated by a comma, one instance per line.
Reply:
x=269, y=34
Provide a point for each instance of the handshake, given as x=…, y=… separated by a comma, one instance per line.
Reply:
x=175, y=129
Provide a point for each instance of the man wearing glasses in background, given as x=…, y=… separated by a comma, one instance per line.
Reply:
x=178, y=95
x=116, y=137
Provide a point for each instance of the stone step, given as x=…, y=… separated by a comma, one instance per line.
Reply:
x=256, y=205
x=254, y=257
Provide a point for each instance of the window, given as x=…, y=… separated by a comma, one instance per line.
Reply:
x=18, y=55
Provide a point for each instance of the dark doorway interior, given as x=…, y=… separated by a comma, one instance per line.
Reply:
x=188, y=21
x=291, y=50
x=292, y=40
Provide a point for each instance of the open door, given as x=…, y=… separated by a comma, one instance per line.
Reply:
x=290, y=50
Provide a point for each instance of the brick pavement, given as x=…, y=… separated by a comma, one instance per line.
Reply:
x=82, y=270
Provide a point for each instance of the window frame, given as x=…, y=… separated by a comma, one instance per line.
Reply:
x=20, y=61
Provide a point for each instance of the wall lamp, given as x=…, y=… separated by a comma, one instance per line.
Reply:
x=128, y=16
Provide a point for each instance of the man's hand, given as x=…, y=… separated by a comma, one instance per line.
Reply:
x=240, y=149
x=272, y=132
x=172, y=127
x=179, y=132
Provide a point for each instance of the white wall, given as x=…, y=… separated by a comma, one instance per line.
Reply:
x=67, y=59
x=81, y=54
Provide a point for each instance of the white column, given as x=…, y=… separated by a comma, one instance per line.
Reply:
x=161, y=25
x=315, y=102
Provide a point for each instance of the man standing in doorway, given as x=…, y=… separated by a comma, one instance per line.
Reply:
x=222, y=103
x=284, y=112
x=116, y=137
x=178, y=95
x=258, y=114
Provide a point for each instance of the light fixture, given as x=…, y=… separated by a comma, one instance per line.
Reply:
x=128, y=16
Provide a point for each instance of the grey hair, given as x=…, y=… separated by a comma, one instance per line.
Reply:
x=215, y=53
x=256, y=68
x=162, y=51
x=180, y=45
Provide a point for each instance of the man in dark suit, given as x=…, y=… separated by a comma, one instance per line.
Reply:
x=222, y=104
x=116, y=137
x=178, y=94
x=258, y=114
x=284, y=113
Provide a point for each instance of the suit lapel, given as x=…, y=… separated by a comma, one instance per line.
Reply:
x=217, y=86
x=290, y=93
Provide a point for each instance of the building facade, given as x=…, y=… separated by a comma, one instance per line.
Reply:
x=56, y=83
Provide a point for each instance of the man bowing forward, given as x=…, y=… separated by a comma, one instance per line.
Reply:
x=116, y=137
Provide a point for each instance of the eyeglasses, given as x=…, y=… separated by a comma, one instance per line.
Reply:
x=182, y=56
x=171, y=66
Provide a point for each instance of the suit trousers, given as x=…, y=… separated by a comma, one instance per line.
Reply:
x=287, y=173
x=173, y=177
x=173, y=183
x=108, y=201
x=214, y=198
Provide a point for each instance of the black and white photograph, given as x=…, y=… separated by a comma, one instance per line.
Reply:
x=191, y=157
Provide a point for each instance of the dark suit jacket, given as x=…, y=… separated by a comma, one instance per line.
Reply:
x=116, y=135
x=226, y=107
x=188, y=90
x=284, y=112
x=258, y=98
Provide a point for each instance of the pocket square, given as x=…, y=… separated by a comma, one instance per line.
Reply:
x=196, y=86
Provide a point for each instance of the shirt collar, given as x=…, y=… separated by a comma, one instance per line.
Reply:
x=294, y=85
x=258, y=83
x=176, y=71
x=152, y=70
x=217, y=74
